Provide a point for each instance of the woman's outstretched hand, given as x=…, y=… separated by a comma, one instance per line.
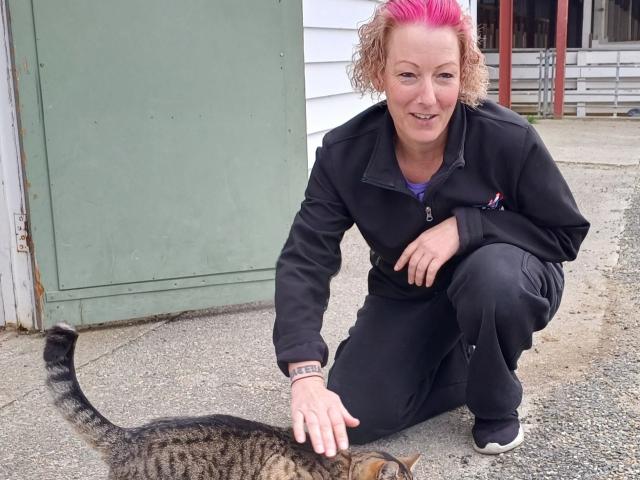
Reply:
x=321, y=410
x=427, y=253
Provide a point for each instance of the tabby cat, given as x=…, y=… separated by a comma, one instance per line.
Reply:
x=216, y=447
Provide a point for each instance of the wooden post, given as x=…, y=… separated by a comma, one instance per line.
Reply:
x=505, y=47
x=561, y=57
x=587, y=15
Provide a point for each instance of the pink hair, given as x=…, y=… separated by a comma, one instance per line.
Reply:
x=370, y=55
x=442, y=13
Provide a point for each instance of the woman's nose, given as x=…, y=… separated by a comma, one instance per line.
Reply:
x=427, y=93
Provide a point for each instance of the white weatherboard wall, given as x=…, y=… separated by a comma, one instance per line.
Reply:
x=330, y=34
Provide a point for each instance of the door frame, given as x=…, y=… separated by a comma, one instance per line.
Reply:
x=17, y=300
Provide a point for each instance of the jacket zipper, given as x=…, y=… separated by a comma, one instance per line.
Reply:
x=428, y=210
x=428, y=198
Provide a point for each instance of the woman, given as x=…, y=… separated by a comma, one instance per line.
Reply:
x=468, y=220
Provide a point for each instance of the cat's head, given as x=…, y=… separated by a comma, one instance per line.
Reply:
x=381, y=466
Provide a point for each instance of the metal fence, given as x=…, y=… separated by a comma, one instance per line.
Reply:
x=597, y=82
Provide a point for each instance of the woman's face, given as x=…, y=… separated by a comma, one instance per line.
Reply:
x=421, y=81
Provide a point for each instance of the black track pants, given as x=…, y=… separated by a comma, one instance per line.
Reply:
x=406, y=360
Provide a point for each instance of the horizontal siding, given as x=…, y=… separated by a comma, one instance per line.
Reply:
x=325, y=79
x=329, y=45
x=345, y=14
x=327, y=112
x=330, y=34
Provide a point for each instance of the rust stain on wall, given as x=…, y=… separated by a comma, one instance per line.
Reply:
x=39, y=290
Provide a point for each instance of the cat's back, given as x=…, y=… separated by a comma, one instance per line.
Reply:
x=213, y=447
x=222, y=424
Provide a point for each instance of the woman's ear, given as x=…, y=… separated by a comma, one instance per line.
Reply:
x=377, y=82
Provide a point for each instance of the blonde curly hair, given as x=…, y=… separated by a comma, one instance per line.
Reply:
x=370, y=56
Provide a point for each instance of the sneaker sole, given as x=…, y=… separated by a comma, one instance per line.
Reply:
x=497, y=449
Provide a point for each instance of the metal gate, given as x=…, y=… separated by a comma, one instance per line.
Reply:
x=597, y=82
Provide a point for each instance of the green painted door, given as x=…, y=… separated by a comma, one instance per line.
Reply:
x=170, y=150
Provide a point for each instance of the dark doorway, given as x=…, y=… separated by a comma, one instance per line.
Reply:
x=623, y=20
x=534, y=23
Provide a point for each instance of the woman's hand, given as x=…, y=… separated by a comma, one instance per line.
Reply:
x=427, y=253
x=322, y=412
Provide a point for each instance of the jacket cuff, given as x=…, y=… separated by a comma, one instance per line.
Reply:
x=469, y=222
x=317, y=351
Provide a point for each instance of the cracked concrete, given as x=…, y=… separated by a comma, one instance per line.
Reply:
x=222, y=361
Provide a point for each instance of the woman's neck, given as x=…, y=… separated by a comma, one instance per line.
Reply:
x=420, y=162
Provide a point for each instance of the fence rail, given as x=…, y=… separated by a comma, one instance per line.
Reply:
x=597, y=82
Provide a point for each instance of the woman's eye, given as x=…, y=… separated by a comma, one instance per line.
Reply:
x=446, y=75
x=407, y=75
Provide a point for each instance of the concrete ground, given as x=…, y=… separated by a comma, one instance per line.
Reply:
x=582, y=378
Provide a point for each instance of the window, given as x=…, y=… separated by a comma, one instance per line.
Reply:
x=534, y=23
x=622, y=20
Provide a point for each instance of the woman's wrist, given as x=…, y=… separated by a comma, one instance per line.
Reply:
x=302, y=370
x=308, y=378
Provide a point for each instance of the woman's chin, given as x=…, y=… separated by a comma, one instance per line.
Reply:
x=426, y=138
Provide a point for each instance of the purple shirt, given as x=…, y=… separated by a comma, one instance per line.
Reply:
x=418, y=189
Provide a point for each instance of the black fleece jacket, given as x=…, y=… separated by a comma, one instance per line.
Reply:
x=497, y=179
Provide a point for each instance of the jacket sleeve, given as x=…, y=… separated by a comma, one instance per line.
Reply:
x=545, y=221
x=309, y=259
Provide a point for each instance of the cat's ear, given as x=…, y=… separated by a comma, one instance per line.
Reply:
x=411, y=461
x=388, y=471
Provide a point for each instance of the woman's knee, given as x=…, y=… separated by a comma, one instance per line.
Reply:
x=376, y=407
x=363, y=434
x=493, y=284
x=492, y=273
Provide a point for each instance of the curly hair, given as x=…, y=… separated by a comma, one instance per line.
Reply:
x=370, y=56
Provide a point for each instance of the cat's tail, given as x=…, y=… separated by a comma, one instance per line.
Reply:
x=67, y=395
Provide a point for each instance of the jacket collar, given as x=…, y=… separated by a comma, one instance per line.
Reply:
x=383, y=168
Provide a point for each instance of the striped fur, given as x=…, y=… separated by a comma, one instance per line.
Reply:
x=216, y=447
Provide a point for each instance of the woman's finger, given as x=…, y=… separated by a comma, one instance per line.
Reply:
x=313, y=426
x=349, y=419
x=406, y=255
x=339, y=429
x=298, y=426
x=413, y=265
x=326, y=430
x=434, y=267
x=421, y=269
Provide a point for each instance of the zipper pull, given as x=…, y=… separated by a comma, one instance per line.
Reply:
x=429, y=214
